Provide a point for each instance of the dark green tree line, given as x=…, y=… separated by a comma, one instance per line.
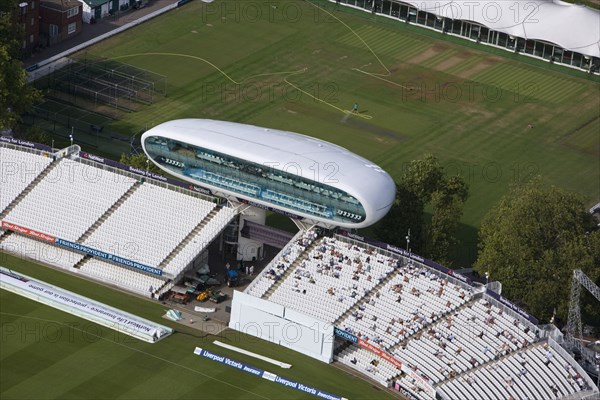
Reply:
x=16, y=96
x=532, y=241
x=425, y=185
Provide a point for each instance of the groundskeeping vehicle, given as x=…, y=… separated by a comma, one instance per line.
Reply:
x=217, y=296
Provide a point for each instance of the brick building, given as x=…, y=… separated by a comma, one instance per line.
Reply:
x=28, y=17
x=59, y=20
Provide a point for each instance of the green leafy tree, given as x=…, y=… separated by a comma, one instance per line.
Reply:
x=38, y=135
x=139, y=161
x=406, y=214
x=16, y=96
x=533, y=240
x=425, y=184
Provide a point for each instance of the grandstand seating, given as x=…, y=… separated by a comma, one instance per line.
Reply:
x=125, y=278
x=66, y=259
x=472, y=336
x=150, y=224
x=538, y=372
x=111, y=212
x=281, y=263
x=333, y=273
x=17, y=170
x=40, y=251
x=199, y=241
x=414, y=298
x=368, y=363
x=69, y=200
x=464, y=343
x=515, y=367
x=409, y=384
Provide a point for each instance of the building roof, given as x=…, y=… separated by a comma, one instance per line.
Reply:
x=293, y=153
x=95, y=3
x=573, y=27
x=60, y=5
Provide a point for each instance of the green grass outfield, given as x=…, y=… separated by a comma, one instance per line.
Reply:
x=243, y=61
x=49, y=354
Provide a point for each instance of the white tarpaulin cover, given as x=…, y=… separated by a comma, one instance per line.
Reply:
x=83, y=307
x=204, y=310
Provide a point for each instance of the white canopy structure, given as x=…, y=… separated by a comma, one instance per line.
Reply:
x=573, y=27
x=550, y=29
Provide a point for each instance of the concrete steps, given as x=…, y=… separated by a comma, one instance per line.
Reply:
x=188, y=238
x=292, y=268
x=426, y=327
x=108, y=213
x=485, y=364
x=82, y=261
x=29, y=188
x=377, y=287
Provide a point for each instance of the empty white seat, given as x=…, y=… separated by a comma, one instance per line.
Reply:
x=17, y=170
x=69, y=200
x=200, y=241
x=149, y=224
x=39, y=251
x=123, y=277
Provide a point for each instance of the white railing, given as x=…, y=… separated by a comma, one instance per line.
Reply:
x=557, y=348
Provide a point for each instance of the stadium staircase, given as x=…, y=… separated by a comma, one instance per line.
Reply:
x=29, y=188
x=424, y=328
x=488, y=363
x=108, y=213
x=164, y=288
x=376, y=289
x=4, y=235
x=82, y=261
x=292, y=268
x=343, y=346
x=188, y=238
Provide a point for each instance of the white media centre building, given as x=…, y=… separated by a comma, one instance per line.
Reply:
x=306, y=178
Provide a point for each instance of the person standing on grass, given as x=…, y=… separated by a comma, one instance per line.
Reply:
x=355, y=108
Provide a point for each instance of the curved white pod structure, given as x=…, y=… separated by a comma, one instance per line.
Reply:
x=286, y=171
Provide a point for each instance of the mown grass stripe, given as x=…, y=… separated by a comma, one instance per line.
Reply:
x=442, y=56
x=456, y=69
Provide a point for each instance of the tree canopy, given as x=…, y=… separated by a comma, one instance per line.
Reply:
x=533, y=240
x=424, y=184
x=140, y=161
x=16, y=96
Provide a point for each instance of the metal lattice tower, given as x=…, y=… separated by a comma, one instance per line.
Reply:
x=574, y=331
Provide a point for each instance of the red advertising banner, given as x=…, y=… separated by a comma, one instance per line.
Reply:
x=419, y=380
x=28, y=232
x=389, y=358
x=377, y=351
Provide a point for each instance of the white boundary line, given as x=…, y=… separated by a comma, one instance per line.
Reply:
x=251, y=354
